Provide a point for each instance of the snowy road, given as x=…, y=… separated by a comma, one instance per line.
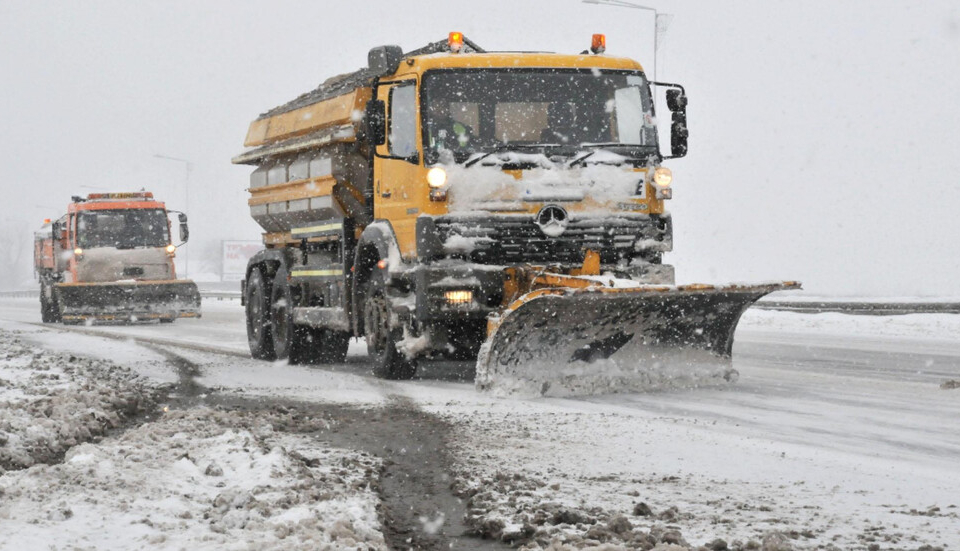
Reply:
x=837, y=433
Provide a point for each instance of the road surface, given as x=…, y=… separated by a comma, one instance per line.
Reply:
x=837, y=433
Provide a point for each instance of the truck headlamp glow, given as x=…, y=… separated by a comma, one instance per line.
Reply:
x=78, y=252
x=171, y=248
x=458, y=296
x=436, y=177
x=662, y=177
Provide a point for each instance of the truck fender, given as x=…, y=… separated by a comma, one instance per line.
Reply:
x=378, y=236
x=268, y=260
x=377, y=242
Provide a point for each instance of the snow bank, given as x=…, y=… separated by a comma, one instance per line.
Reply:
x=50, y=402
x=198, y=479
x=943, y=327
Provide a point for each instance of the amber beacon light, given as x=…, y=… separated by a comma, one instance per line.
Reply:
x=455, y=41
x=599, y=43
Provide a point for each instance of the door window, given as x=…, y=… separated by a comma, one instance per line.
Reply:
x=402, y=138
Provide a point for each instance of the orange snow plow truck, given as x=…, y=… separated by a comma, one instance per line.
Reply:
x=111, y=258
x=503, y=207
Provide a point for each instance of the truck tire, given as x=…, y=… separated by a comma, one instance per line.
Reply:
x=46, y=308
x=49, y=308
x=388, y=362
x=259, y=330
x=290, y=342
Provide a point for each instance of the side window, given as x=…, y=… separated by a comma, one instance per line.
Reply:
x=402, y=137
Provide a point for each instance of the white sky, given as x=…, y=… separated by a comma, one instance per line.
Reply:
x=824, y=142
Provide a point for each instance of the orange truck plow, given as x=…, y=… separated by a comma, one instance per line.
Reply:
x=111, y=258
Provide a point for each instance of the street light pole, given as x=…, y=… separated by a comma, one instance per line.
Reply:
x=656, y=22
x=188, y=166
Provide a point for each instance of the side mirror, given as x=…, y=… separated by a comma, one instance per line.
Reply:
x=375, y=119
x=384, y=60
x=184, y=230
x=676, y=100
x=677, y=103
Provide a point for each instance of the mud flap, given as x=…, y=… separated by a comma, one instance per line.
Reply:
x=134, y=300
x=561, y=342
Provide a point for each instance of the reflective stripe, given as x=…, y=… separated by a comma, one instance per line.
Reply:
x=311, y=229
x=316, y=273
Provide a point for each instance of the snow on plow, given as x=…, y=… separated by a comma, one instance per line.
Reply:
x=561, y=341
x=128, y=300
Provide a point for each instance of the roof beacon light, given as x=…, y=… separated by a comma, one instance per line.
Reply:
x=599, y=43
x=455, y=41
x=121, y=195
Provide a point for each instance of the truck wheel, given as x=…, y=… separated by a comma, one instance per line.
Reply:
x=290, y=341
x=259, y=333
x=49, y=309
x=388, y=362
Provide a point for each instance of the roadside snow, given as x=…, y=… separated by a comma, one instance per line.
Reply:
x=198, y=479
x=943, y=327
x=50, y=402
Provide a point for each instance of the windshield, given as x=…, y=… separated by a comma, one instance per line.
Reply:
x=483, y=110
x=123, y=229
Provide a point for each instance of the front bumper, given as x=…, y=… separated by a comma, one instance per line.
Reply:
x=430, y=283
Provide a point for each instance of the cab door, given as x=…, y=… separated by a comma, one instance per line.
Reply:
x=399, y=185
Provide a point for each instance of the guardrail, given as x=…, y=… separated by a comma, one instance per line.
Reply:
x=862, y=308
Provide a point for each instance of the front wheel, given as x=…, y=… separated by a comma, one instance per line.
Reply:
x=49, y=309
x=259, y=330
x=382, y=338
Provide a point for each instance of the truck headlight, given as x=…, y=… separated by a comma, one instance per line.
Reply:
x=171, y=248
x=662, y=177
x=436, y=177
x=78, y=252
x=458, y=296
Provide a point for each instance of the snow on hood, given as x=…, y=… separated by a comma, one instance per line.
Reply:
x=490, y=188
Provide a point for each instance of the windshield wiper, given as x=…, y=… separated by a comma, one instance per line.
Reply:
x=503, y=148
x=581, y=158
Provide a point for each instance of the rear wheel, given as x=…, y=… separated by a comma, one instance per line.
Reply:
x=167, y=320
x=382, y=339
x=259, y=330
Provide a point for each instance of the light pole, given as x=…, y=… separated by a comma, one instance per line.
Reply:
x=661, y=22
x=188, y=166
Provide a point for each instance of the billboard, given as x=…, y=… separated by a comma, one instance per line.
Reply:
x=235, y=257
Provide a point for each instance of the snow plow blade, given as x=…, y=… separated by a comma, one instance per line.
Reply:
x=562, y=342
x=128, y=301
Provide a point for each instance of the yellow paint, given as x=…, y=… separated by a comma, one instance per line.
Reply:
x=400, y=189
x=331, y=112
x=312, y=229
x=316, y=273
x=291, y=191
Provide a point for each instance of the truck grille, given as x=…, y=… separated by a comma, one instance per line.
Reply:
x=518, y=239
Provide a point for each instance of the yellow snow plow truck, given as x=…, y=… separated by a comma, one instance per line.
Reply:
x=507, y=207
